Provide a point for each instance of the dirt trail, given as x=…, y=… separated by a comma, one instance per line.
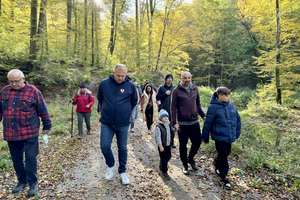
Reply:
x=86, y=180
x=74, y=169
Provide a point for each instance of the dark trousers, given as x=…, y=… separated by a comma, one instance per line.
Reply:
x=87, y=118
x=149, y=116
x=185, y=133
x=165, y=157
x=26, y=171
x=221, y=161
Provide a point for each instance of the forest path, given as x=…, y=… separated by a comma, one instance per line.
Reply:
x=86, y=179
x=72, y=168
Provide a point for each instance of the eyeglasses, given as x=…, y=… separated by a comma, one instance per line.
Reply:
x=15, y=81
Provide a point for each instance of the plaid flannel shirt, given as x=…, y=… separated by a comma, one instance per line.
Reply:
x=20, y=111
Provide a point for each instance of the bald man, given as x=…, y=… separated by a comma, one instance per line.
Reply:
x=185, y=108
x=21, y=107
x=117, y=97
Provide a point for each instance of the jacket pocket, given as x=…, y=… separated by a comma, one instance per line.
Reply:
x=26, y=104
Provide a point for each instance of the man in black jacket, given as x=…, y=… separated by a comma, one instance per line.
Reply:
x=163, y=99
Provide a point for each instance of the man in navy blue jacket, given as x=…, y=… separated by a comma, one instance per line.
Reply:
x=117, y=97
x=224, y=125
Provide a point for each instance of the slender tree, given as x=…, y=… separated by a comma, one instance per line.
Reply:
x=76, y=29
x=165, y=24
x=33, y=30
x=93, y=34
x=111, y=44
x=137, y=34
x=42, y=30
x=12, y=9
x=69, y=24
x=277, y=68
x=150, y=13
x=12, y=16
x=97, y=17
x=97, y=39
x=85, y=29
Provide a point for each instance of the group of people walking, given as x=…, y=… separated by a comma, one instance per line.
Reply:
x=22, y=106
x=179, y=110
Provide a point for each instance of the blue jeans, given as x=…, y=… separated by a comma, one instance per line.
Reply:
x=106, y=136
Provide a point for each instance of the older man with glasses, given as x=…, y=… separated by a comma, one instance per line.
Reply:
x=21, y=107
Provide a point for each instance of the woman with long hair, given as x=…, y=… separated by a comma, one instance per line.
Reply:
x=147, y=105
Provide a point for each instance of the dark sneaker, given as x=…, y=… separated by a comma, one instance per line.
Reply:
x=194, y=166
x=226, y=184
x=160, y=168
x=18, y=188
x=165, y=175
x=33, y=191
x=88, y=132
x=185, y=170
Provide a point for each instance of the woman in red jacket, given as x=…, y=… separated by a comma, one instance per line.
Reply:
x=84, y=101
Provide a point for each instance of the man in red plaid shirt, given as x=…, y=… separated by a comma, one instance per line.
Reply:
x=21, y=107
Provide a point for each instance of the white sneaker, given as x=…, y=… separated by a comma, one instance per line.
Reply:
x=124, y=179
x=109, y=174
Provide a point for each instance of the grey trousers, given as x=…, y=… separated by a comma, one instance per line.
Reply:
x=87, y=118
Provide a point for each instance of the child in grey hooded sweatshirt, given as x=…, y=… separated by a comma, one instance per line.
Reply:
x=163, y=140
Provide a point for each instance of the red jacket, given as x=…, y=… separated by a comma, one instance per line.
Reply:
x=84, y=102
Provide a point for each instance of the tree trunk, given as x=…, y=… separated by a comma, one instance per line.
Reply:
x=150, y=13
x=42, y=31
x=166, y=18
x=93, y=34
x=79, y=32
x=111, y=44
x=33, y=30
x=137, y=33
x=12, y=16
x=115, y=17
x=69, y=25
x=277, y=69
x=76, y=29
x=278, y=61
x=143, y=11
x=12, y=9
x=85, y=29
x=97, y=36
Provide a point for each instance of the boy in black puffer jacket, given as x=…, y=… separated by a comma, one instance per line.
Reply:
x=163, y=140
x=223, y=124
